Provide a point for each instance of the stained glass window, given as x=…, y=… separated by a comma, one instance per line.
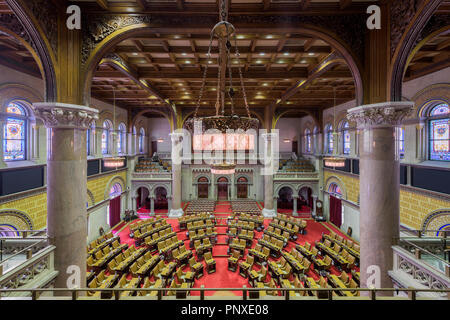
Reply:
x=115, y=191
x=329, y=138
x=105, y=137
x=121, y=139
x=308, y=140
x=141, y=140
x=334, y=189
x=14, y=133
x=400, y=137
x=439, y=136
x=346, y=138
x=439, y=110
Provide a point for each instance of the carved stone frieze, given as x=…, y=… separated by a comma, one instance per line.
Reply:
x=10, y=22
x=380, y=114
x=59, y=115
x=46, y=14
x=97, y=28
x=401, y=12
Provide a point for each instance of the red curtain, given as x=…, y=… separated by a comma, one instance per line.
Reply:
x=335, y=211
x=114, y=211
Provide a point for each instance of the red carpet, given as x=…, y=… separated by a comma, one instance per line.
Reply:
x=223, y=278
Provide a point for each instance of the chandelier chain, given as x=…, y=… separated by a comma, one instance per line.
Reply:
x=241, y=78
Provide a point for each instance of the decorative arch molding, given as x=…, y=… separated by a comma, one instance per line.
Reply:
x=136, y=118
x=165, y=186
x=113, y=181
x=16, y=218
x=199, y=176
x=18, y=91
x=101, y=32
x=429, y=95
x=243, y=175
x=404, y=36
x=436, y=219
x=141, y=185
x=90, y=198
x=216, y=180
x=283, y=185
x=38, y=19
x=339, y=182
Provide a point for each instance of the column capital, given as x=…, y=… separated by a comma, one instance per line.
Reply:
x=175, y=136
x=63, y=115
x=380, y=114
x=269, y=136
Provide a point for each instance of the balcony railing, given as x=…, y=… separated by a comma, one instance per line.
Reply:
x=296, y=175
x=151, y=175
x=247, y=293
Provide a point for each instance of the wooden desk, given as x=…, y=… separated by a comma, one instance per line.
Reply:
x=337, y=283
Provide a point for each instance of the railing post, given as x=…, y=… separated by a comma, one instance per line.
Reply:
x=29, y=254
x=417, y=253
x=287, y=295
x=34, y=295
x=1, y=270
x=447, y=270
x=117, y=295
x=74, y=295
x=411, y=294
x=244, y=292
x=420, y=233
x=24, y=234
x=330, y=295
x=202, y=292
x=373, y=294
x=160, y=292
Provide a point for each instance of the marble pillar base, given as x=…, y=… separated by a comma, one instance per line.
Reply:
x=295, y=214
x=269, y=213
x=176, y=213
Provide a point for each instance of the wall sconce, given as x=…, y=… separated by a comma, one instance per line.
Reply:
x=160, y=140
x=286, y=140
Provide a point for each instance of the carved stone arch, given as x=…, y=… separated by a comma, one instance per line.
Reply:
x=306, y=185
x=436, y=219
x=281, y=186
x=223, y=176
x=201, y=175
x=404, y=37
x=426, y=97
x=105, y=115
x=41, y=37
x=243, y=175
x=113, y=181
x=144, y=185
x=339, y=182
x=135, y=118
x=165, y=186
x=16, y=218
x=90, y=198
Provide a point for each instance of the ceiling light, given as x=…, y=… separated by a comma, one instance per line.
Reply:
x=286, y=140
x=134, y=54
x=209, y=61
x=184, y=53
x=187, y=61
x=240, y=36
x=311, y=54
x=265, y=84
x=286, y=53
x=261, y=53
x=258, y=61
x=269, y=36
x=303, y=61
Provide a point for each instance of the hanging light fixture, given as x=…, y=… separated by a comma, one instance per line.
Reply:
x=114, y=161
x=334, y=161
x=225, y=33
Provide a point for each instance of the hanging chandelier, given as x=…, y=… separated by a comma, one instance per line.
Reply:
x=114, y=161
x=334, y=162
x=225, y=33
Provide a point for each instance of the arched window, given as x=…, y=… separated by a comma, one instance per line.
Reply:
x=329, y=139
x=15, y=133
x=308, y=141
x=439, y=137
x=141, y=140
x=345, y=137
x=335, y=190
x=316, y=134
x=106, y=134
x=89, y=134
x=400, y=137
x=116, y=190
x=121, y=138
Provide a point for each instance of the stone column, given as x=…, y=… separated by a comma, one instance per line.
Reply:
x=134, y=204
x=98, y=142
x=275, y=204
x=152, y=205
x=169, y=203
x=3, y=117
x=67, y=185
x=379, y=186
x=176, y=210
x=268, y=210
x=313, y=208
x=294, y=210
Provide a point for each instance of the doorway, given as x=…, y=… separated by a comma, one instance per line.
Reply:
x=222, y=189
